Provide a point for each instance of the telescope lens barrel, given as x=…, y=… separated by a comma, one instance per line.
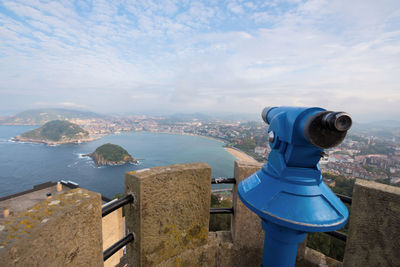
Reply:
x=264, y=114
x=327, y=128
x=339, y=121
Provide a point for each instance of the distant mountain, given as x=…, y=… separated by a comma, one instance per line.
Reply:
x=388, y=129
x=182, y=117
x=228, y=117
x=55, y=132
x=41, y=116
x=110, y=154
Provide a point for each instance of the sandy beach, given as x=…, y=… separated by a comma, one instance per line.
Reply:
x=239, y=155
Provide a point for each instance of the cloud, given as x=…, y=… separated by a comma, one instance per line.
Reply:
x=201, y=55
x=63, y=104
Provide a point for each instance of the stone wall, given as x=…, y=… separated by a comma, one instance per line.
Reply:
x=61, y=231
x=171, y=211
x=246, y=225
x=374, y=226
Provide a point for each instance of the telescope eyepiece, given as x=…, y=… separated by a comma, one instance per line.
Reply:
x=339, y=121
x=264, y=114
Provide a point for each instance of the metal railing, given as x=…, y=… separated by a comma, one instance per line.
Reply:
x=345, y=199
x=224, y=180
x=117, y=246
x=107, y=209
x=221, y=211
x=116, y=204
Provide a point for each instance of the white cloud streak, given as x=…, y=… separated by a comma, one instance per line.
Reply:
x=202, y=56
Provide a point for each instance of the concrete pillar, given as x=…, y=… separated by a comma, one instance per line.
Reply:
x=61, y=231
x=247, y=233
x=171, y=211
x=374, y=226
x=246, y=225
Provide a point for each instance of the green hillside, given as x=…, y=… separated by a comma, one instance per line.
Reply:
x=57, y=130
x=111, y=152
x=41, y=116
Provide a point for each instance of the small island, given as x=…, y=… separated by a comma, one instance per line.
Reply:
x=110, y=154
x=56, y=132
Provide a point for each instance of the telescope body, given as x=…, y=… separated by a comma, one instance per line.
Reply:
x=288, y=193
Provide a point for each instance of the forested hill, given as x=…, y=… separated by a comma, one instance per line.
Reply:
x=110, y=154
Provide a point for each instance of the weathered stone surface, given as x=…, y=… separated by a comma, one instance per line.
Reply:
x=206, y=255
x=301, y=250
x=246, y=225
x=313, y=258
x=171, y=211
x=374, y=226
x=218, y=252
x=62, y=231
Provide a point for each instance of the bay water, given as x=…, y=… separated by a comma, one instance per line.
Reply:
x=23, y=165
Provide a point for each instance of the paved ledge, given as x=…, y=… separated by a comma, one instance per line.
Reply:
x=29, y=198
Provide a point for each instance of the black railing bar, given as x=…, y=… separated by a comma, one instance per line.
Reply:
x=226, y=180
x=338, y=235
x=109, y=202
x=221, y=211
x=344, y=198
x=223, y=180
x=117, y=204
x=117, y=246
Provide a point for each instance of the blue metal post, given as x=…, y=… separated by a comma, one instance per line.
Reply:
x=280, y=245
x=288, y=192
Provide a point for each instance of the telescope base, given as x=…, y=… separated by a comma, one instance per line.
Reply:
x=280, y=245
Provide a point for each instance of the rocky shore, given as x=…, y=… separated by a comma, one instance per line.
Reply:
x=101, y=161
x=55, y=133
x=55, y=143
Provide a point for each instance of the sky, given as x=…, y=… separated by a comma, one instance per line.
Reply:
x=201, y=56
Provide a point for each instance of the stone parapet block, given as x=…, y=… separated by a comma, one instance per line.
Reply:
x=246, y=225
x=170, y=213
x=313, y=258
x=61, y=231
x=374, y=226
x=218, y=252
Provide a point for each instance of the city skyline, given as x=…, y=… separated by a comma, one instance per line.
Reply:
x=236, y=56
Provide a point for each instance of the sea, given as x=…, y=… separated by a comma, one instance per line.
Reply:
x=24, y=165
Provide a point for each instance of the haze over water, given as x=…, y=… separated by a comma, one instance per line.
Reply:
x=23, y=165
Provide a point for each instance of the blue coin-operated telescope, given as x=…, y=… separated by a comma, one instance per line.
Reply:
x=288, y=192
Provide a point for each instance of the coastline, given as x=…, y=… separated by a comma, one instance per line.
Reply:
x=192, y=134
x=240, y=155
x=54, y=143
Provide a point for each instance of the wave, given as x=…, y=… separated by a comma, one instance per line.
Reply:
x=82, y=155
x=73, y=164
